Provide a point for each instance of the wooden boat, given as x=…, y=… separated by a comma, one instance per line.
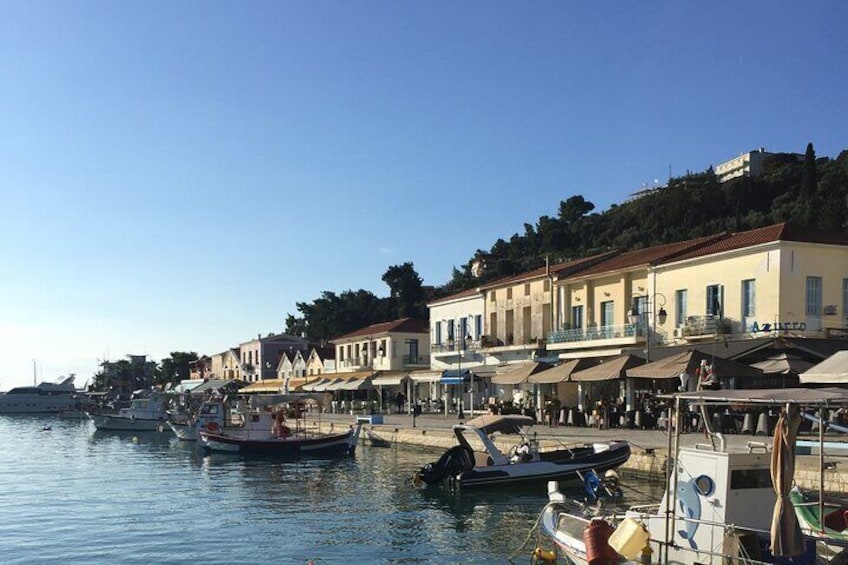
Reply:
x=720, y=504
x=377, y=441
x=265, y=433
x=477, y=462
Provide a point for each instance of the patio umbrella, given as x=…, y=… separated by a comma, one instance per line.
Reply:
x=687, y=362
x=783, y=363
x=786, y=537
x=833, y=370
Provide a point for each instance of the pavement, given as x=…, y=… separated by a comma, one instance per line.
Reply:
x=656, y=440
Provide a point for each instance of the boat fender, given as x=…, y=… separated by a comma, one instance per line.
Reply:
x=595, y=537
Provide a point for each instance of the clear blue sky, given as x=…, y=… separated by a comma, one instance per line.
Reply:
x=175, y=176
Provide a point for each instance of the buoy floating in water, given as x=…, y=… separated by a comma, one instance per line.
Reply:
x=544, y=556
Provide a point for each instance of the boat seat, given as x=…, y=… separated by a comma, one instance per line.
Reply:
x=837, y=520
x=482, y=459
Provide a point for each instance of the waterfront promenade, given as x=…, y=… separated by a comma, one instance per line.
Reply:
x=649, y=447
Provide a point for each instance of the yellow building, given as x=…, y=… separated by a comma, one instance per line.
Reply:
x=776, y=280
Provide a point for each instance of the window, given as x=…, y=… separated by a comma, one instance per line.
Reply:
x=492, y=296
x=478, y=326
x=438, y=333
x=680, y=298
x=450, y=330
x=715, y=301
x=577, y=317
x=527, y=289
x=607, y=311
x=463, y=328
x=509, y=294
x=814, y=296
x=547, y=285
x=749, y=288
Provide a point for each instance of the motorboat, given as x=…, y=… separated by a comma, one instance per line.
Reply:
x=476, y=460
x=720, y=504
x=213, y=415
x=146, y=413
x=44, y=398
x=266, y=433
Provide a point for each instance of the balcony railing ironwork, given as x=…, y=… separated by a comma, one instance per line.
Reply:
x=596, y=333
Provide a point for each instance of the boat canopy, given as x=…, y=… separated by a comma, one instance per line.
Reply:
x=820, y=397
x=505, y=424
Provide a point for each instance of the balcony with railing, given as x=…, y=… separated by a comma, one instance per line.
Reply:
x=416, y=360
x=704, y=326
x=597, y=336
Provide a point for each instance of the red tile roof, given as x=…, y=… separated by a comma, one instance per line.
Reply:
x=405, y=325
x=558, y=270
x=647, y=256
x=760, y=236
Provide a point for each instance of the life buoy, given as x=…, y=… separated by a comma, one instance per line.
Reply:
x=212, y=426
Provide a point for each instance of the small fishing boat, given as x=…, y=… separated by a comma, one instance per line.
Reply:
x=376, y=440
x=265, y=433
x=476, y=461
x=720, y=504
x=146, y=413
x=213, y=416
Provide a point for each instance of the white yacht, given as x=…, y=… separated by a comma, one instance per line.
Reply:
x=45, y=398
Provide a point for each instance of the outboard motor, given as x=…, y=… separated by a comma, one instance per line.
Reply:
x=454, y=461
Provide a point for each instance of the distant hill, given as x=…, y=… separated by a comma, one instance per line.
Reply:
x=808, y=192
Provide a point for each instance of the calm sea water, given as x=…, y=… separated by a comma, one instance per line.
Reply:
x=76, y=495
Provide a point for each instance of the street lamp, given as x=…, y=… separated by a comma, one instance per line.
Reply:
x=645, y=304
x=660, y=315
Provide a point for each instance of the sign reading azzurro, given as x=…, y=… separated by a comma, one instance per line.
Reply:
x=756, y=327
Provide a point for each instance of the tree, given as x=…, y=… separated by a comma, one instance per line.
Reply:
x=405, y=292
x=174, y=369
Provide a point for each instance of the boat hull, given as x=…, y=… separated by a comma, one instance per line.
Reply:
x=338, y=445
x=124, y=424
x=540, y=472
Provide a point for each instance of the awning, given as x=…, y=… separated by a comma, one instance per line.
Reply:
x=425, y=376
x=310, y=386
x=687, y=362
x=325, y=385
x=268, y=385
x=454, y=377
x=395, y=378
x=354, y=384
x=612, y=369
x=520, y=374
x=187, y=385
x=562, y=372
x=212, y=384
